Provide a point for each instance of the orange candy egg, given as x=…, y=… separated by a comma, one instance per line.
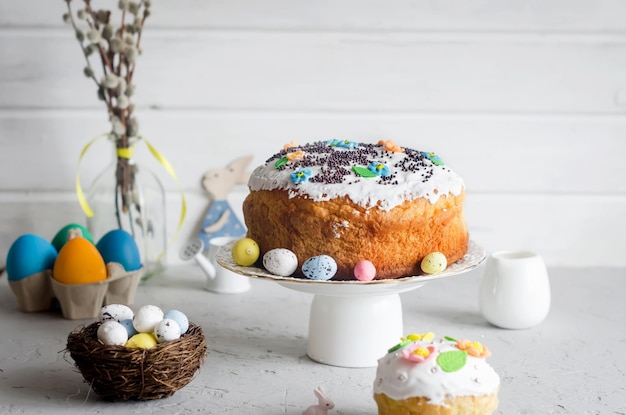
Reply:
x=79, y=262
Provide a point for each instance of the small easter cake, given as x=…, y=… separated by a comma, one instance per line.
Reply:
x=352, y=202
x=425, y=376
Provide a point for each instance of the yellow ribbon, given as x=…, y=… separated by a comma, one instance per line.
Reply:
x=128, y=153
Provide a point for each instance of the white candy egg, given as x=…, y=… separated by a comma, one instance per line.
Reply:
x=116, y=312
x=167, y=330
x=112, y=333
x=280, y=261
x=146, y=318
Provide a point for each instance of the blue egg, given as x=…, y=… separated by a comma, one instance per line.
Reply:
x=119, y=246
x=180, y=318
x=321, y=267
x=28, y=255
x=128, y=325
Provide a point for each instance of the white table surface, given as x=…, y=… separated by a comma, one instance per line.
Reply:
x=573, y=363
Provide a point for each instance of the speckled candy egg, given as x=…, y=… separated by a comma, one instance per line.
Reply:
x=28, y=255
x=116, y=312
x=119, y=246
x=167, y=330
x=180, y=318
x=146, y=318
x=434, y=263
x=280, y=261
x=112, y=333
x=321, y=267
x=364, y=270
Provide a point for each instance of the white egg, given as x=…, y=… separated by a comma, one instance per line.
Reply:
x=146, y=318
x=167, y=330
x=112, y=333
x=116, y=312
x=280, y=261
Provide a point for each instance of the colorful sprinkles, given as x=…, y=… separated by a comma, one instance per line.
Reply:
x=362, y=161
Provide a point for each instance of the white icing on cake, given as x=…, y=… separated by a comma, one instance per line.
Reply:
x=400, y=379
x=414, y=175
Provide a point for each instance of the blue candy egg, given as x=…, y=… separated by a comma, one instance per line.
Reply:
x=180, y=318
x=128, y=325
x=28, y=255
x=119, y=246
x=321, y=267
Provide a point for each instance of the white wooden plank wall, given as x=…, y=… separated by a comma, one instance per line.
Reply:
x=526, y=99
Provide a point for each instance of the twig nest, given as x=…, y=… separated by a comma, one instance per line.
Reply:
x=118, y=373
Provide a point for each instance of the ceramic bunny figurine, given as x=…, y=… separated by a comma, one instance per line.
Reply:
x=324, y=405
x=220, y=219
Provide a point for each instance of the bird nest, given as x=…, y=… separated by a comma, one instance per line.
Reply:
x=118, y=373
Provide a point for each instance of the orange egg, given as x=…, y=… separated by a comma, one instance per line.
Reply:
x=79, y=262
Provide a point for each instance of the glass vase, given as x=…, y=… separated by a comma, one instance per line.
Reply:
x=129, y=196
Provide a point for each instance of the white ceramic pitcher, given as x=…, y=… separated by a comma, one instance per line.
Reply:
x=515, y=290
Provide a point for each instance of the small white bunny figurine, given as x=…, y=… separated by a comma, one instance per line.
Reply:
x=324, y=405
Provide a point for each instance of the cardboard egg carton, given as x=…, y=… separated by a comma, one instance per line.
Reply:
x=78, y=301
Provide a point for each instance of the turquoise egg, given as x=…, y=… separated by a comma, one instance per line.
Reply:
x=28, y=255
x=61, y=237
x=119, y=246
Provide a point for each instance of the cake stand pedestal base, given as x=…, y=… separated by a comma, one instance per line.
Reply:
x=353, y=331
x=352, y=324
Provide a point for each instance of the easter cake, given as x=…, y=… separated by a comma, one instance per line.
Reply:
x=342, y=203
x=425, y=376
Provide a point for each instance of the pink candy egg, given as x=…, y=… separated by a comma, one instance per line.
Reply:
x=364, y=270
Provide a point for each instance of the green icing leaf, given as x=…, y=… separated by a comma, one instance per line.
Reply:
x=452, y=339
x=363, y=172
x=399, y=346
x=452, y=361
x=280, y=162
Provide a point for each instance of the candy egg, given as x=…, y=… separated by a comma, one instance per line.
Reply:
x=180, y=318
x=28, y=255
x=321, y=267
x=119, y=246
x=117, y=312
x=141, y=341
x=63, y=235
x=146, y=318
x=167, y=330
x=364, y=270
x=79, y=262
x=280, y=261
x=112, y=333
x=128, y=325
x=245, y=252
x=434, y=263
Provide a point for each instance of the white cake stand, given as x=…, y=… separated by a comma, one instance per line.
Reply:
x=353, y=323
